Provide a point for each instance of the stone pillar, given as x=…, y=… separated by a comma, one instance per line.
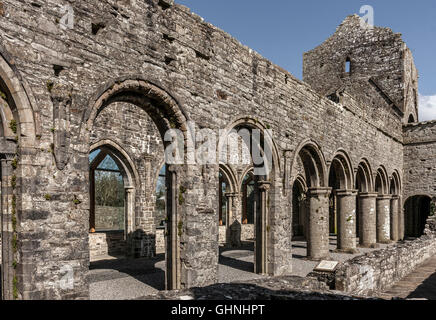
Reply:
x=368, y=219
x=383, y=219
x=172, y=251
x=395, y=218
x=7, y=231
x=401, y=221
x=261, y=229
x=233, y=226
x=129, y=208
x=346, y=220
x=318, y=223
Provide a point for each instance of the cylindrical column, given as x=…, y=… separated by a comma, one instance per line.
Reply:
x=395, y=218
x=346, y=214
x=233, y=226
x=261, y=229
x=401, y=221
x=318, y=223
x=383, y=219
x=368, y=220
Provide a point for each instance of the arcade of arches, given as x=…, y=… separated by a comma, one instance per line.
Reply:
x=83, y=134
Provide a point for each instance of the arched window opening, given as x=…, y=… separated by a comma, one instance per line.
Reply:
x=108, y=194
x=160, y=206
x=248, y=199
x=411, y=119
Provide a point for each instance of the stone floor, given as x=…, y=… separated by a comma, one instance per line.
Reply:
x=302, y=267
x=112, y=278
x=420, y=285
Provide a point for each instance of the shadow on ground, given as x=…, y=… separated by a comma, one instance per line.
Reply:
x=427, y=290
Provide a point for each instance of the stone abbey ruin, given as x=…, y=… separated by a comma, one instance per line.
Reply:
x=84, y=109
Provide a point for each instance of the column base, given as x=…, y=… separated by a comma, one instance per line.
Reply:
x=346, y=251
x=316, y=259
x=386, y=242
x=369, y=246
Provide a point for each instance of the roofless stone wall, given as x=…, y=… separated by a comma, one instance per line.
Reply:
x=178, y=68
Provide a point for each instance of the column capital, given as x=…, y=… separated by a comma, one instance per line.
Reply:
x=319, y=191
x=264, y=185
x=129, y=188
x=384, y=197
x=344, y=193
x=231, y=194
x=9, y=156
x=368, y=195
x=395, y=197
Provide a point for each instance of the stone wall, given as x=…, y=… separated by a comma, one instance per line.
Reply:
x=103, y=244
x=375, y=272
x=420, y=159
x=181, y=68
x=160, y=240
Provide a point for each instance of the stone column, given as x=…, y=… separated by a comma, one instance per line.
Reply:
x=383, y=218
x=318, y=223
x=233, y=226
x=395, y=218
x=368, y=219
x=346, y=216
x=172, y=251
x=129, y=208
x=401, y=221
x=261, y=229
x=7, y=231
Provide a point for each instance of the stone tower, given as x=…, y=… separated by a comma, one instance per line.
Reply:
x=373, y=65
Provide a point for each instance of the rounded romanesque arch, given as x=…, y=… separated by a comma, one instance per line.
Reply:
x=313, y=162
x=163, y=108
x=364, y=177
x=342, y=204
x=251, y=135
x=166, y=113
x=342, y=170
x=381, y=181
x=309, y=161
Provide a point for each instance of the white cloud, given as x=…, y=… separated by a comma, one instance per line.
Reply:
x=427, y=108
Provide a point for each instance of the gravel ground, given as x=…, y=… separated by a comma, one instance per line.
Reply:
x=116, y=279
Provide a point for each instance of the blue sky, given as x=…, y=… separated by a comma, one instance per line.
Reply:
x=281, y=30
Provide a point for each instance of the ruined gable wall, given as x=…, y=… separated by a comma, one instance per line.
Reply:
x=377, y=54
